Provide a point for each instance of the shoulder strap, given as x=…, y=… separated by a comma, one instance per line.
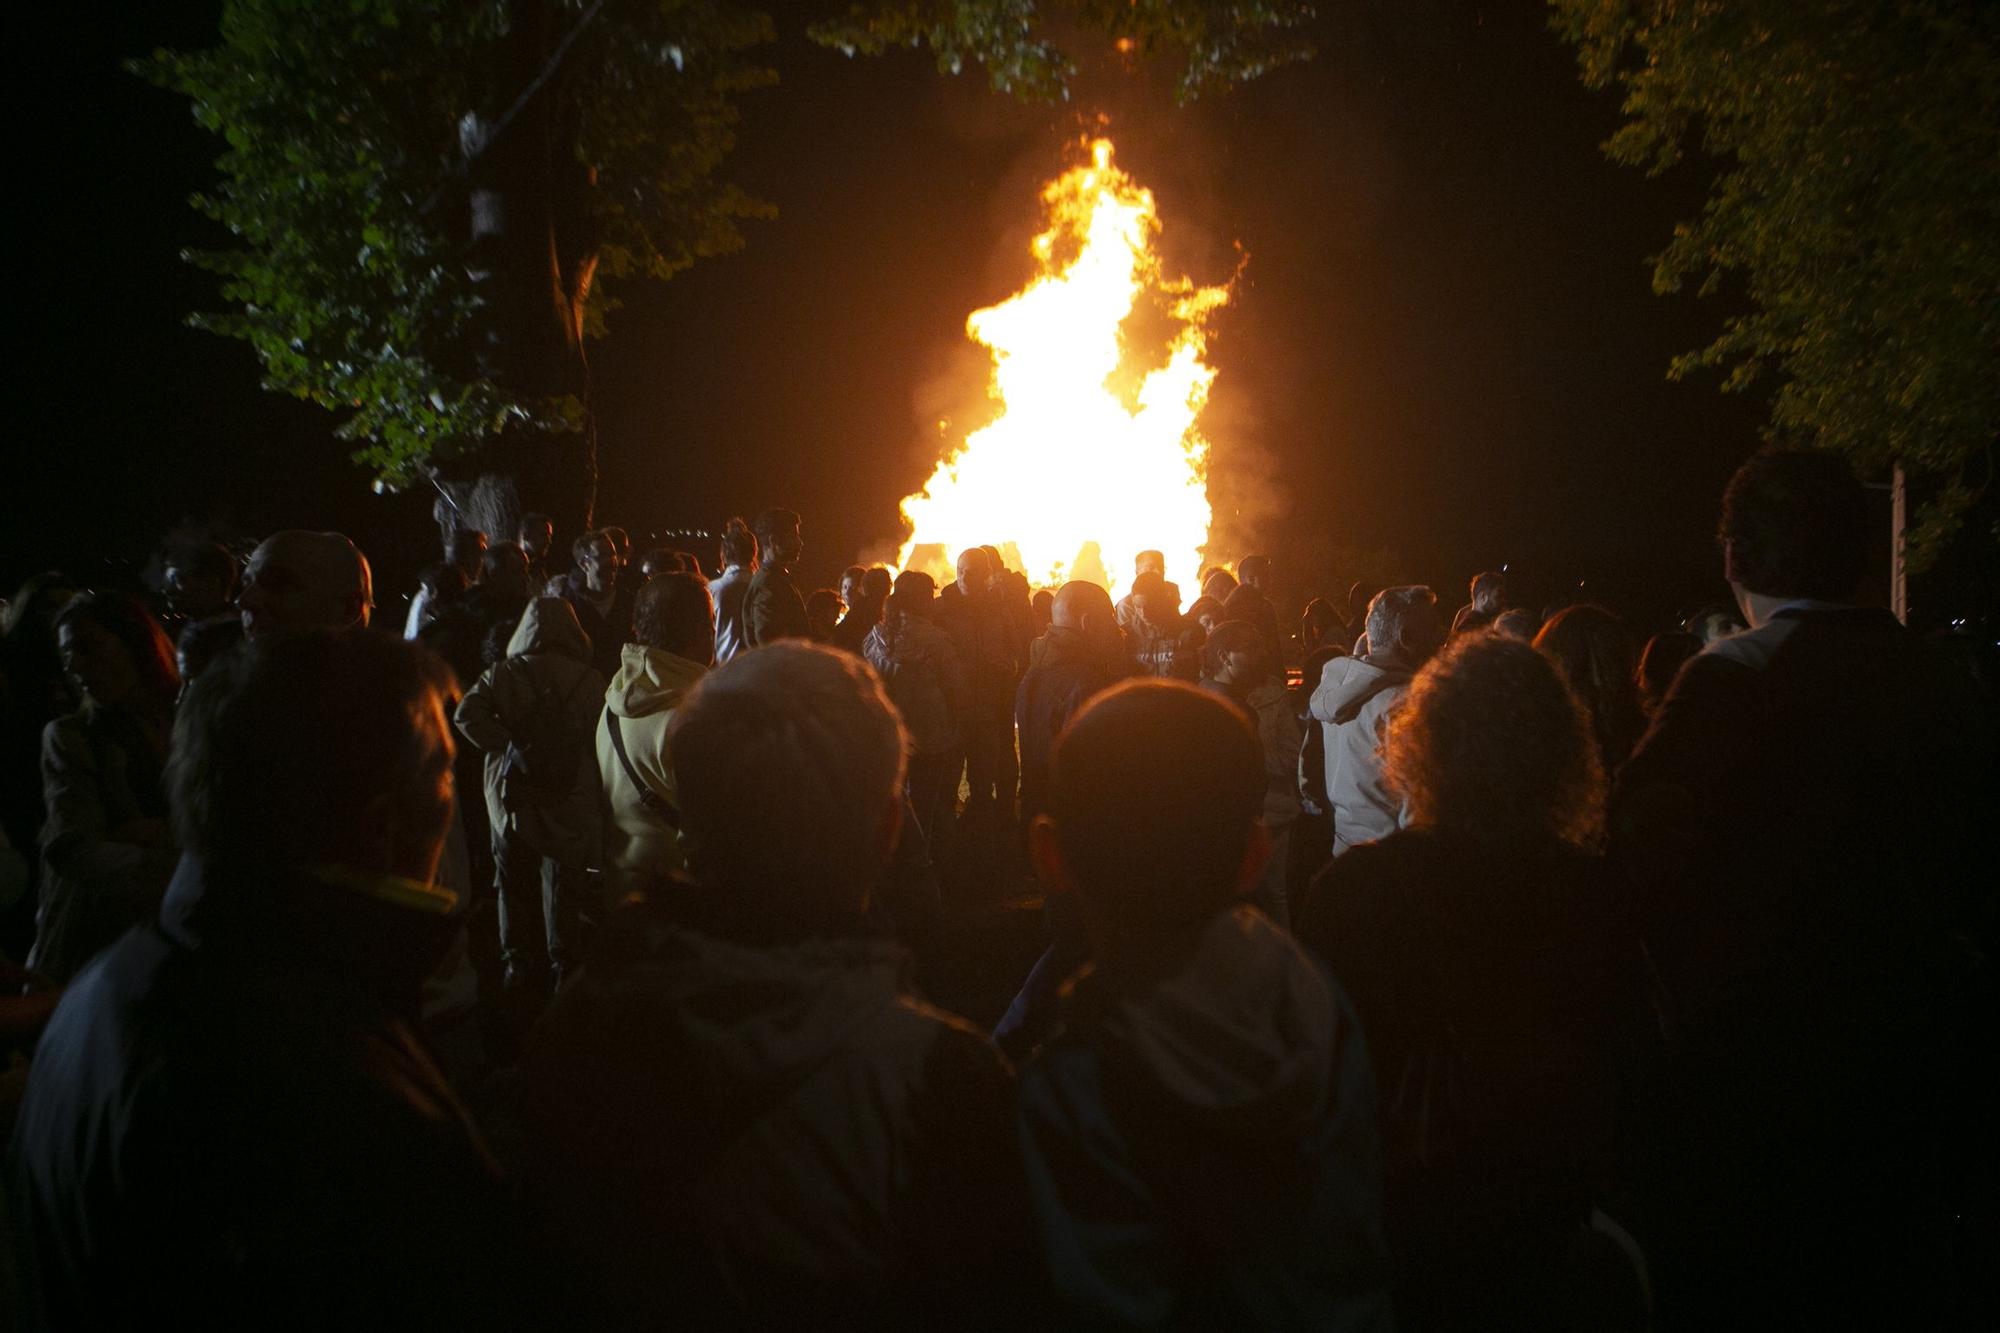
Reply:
x=649, y=798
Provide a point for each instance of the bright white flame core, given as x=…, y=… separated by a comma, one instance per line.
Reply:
x=1067, y=465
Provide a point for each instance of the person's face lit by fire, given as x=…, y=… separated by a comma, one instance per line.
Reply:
x=599, y=563
x=787, y=544
x=975, y=572
x=535, y=536
x=305, y=580
x=850, y=588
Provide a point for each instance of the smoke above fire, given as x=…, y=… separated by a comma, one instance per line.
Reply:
x=1099, y=381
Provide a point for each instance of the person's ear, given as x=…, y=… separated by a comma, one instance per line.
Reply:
x=1256, y=856
x=1045, y=855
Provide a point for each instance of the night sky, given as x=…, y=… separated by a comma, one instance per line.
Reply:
x=1444, y=342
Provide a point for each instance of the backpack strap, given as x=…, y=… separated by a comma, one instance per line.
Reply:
x=648, y=798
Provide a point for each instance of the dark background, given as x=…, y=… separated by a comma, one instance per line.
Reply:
x=1443, y=355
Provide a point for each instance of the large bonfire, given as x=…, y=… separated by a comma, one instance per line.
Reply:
x=1098, y=374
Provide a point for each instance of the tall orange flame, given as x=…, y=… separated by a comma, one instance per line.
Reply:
x=1091, y=458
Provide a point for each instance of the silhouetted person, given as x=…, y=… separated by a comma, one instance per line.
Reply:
x=1237, y=666
x=602, y=599
x=533, y=715
x=200, y=642
x=823, y=609
x=535, y=535
x=305, y=580
x=864, y=607
x=976, y=615
x=1352, y=703
x=199, y=578
x=921, y=670
x=772, y=606
x=107, y=852
x=1662, y=660
x=727, y=591
x=471, y=631
x=1254, y=601
x=1160, y=641
x=673, y=642
x=232, y=1121
x=736, y=1116
x=1489, y=598
x=1595, y=652
x=1805, y=824
x=1085, y=654
x=1146, y=562
x=1199, y=1128
x=1487, y=952
x=34, y=691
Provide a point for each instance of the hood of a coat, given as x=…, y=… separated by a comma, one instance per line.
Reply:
x=549, y=625
x=1232, y=1026
x=744, y=1023
x=650, y=680
x=1351, y=678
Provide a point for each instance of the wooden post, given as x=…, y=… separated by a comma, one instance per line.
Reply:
x=1899, y=574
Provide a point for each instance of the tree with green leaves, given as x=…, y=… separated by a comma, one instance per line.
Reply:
x=1857, y=202
x=435, y=202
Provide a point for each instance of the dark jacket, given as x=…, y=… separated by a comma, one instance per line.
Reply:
x=737, y=1135
x=987, y=634
x=1171, y=651
x=773, y=609
x=1500, y=991
x=610, y=631
x=240, y=1128
x=543, y=688
x=1071, y=670
x=925, y=680
x=1200, y=1138
x=1806, y=829
x=106, y=851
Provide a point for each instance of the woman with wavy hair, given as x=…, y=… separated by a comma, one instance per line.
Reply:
x=1484, y=950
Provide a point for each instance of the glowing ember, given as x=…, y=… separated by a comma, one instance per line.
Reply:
x=1098, y=371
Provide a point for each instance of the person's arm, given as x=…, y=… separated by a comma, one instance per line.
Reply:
x=1323, y=703
x=478, y=717
x=78, y=839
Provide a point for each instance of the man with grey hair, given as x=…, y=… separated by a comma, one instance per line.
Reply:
x=735, y=1114
x=306, y=580
x=1352, y=702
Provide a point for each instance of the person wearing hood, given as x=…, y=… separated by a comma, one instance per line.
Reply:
x=737, y=1115
x=674, y=628
x=1352, y=704
x=1199, y=1128
x=532, y=715
x=231, y=1120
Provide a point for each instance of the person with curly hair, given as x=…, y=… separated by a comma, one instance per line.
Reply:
x=1484, y=950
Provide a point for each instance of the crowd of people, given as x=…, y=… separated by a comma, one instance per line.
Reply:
x=1396, y=968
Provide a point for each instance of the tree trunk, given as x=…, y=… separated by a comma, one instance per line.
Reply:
x=532, y=254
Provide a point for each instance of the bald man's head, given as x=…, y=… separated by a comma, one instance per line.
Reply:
x=306, y=580
x=1083, y=605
